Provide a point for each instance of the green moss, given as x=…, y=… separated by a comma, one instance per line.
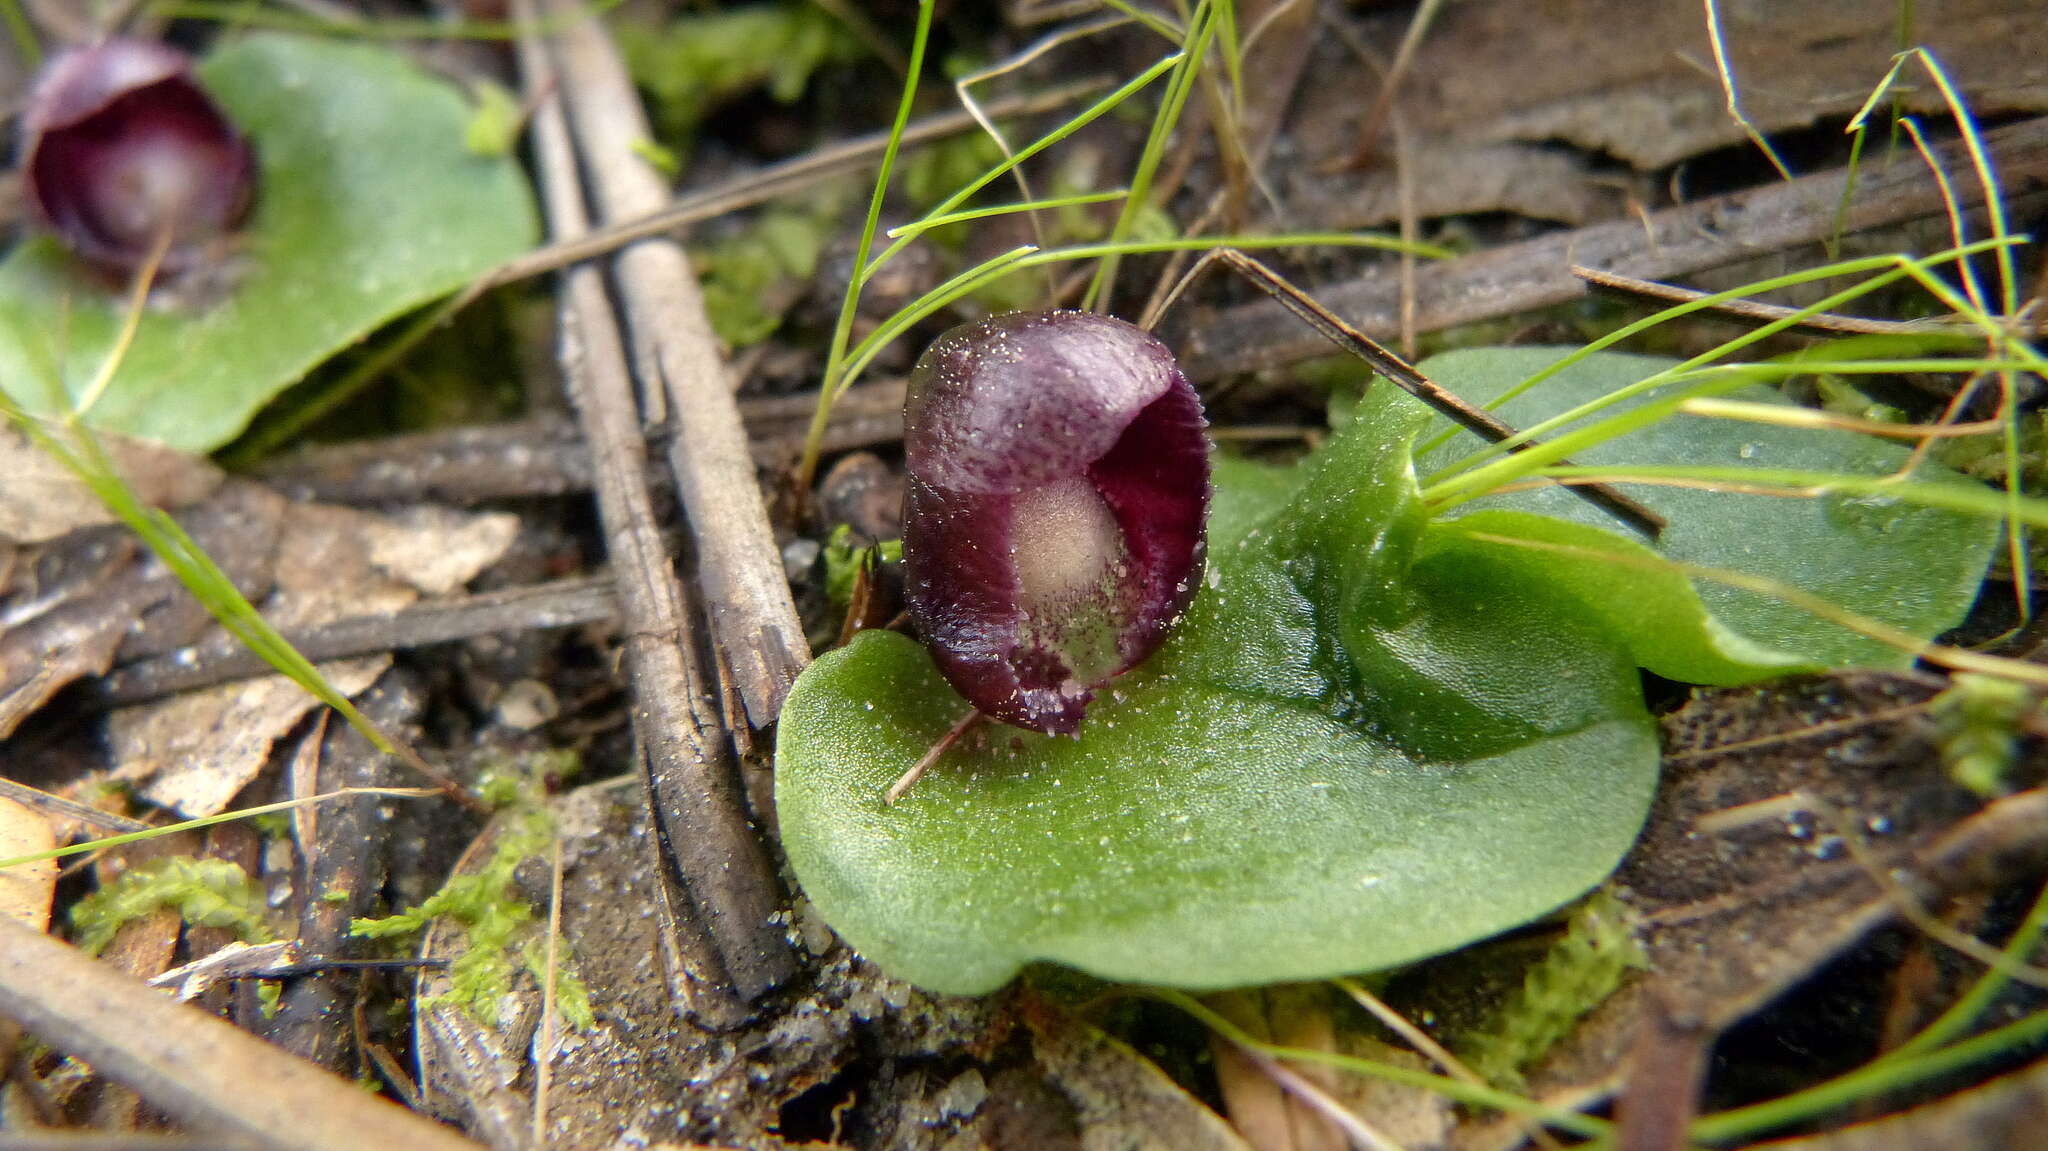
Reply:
x=843, y=562
x=494, y=122
x=269, y=995
x=526, y=780
x=701, y=60
x=1578, y=974
x=1976, y=728
x=496, y=920
x=205, y=892
x=752, y=276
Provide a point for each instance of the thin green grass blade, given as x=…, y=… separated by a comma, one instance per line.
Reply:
x=1896, y=268
x=1201, y=28
x=1029, y=257
x=210, y=821
x=919, y=227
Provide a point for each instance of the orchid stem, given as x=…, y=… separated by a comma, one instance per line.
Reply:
x=909, y=779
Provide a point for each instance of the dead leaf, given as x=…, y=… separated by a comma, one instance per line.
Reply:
x=237, y=960
x=198, y=750
x=41, y=500
x=25, y=889
x=92, y=598
x=194, y=752
x=1294, y=1015
x=436, y=549
x=1495, y=88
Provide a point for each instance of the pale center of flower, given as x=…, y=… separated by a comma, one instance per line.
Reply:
x=157, y=185
x=1066, y=545
x=1070, y=563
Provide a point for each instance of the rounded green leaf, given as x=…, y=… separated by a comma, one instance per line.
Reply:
x=368, y=205
x=1191, y=836
x=1334, y=765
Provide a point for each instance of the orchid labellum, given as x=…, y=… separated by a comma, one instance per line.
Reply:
x=1053, y=514
x=123, y=152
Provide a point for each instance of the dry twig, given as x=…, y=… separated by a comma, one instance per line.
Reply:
x=682, y=371
x=200, y=1069
x=724, y=938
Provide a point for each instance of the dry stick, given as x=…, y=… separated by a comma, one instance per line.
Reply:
x=70, y=809
x=1478, y=421
x=1537, y=273
x=544, y=1051
x=1390, y=83
x=909, y=779
x=1757, y=310
x=546, y=456
x=755, y=187
x=198, y=1068
x=562, y=603
x=721, y=865
x=739, y=567
x=344, y=849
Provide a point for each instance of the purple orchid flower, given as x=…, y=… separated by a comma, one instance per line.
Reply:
x=123, y=151
x=1054, y=510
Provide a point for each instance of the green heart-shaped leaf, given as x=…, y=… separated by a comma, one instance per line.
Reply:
x=1311, y=778
x=1373, y=737
x=368, y=205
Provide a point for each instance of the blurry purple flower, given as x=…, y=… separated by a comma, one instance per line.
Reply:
x=1053, y=515
x=120, y=146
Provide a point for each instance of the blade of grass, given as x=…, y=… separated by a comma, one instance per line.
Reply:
x=1080, y=120
x=1971, y=1005
x=1792, y=416
x=842, y=329
x=1888, y=267
x=22, y=33
x=1728, y=88
x=1028, y=257
x=1897, y=267
x=926, y=224
x=837, y=377
x=1709, y=381
x=1201, y=27
x=1966, y=497
x=2017, y=552
x=1167, y=30
x=1955, y=658
x=105, y=842
x=86, y=459
x=1870, y=1080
